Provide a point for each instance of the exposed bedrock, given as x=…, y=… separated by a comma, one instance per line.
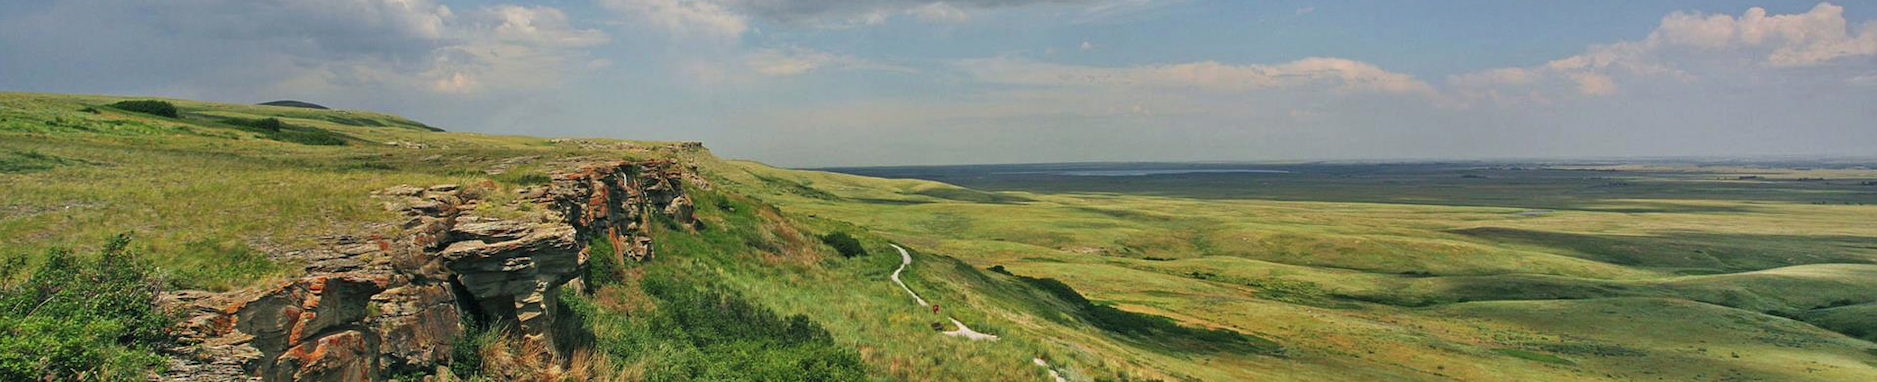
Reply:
x=369, y=305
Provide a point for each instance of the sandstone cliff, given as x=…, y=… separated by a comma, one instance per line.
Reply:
x=372, y=305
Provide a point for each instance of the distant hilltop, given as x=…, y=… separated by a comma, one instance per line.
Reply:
x=292, y=103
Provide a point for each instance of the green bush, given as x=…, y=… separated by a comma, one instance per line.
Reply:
x=82, y=318
x=603, y=268
x=704, y=332
x=844, y=243
x=1152, y=327
x=466, y=347
x=521, y=178
x=29, y=161
x=263, y=124
x=275, y=129
x=151, y=107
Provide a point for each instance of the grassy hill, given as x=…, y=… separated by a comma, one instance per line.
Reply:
x=212, y=202
x=1437, y=288
x=1436, y=283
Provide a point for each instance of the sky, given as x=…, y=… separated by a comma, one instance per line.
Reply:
x=808, y=83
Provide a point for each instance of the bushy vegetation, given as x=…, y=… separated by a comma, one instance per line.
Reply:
x=521, y=178
x=275, y=129
x=701, y=331
x=603, y=268
x=29, y=161
x=151, y=107
x=1535, y=356
x=466, y=349
x=1147, y=327
x=263, y=124
x=845, y=244
x=81, y=317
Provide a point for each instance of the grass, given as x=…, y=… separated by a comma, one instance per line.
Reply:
x=219, y=265
x=273, y=128
x=30, y=161
x=1535, y=356
x=1354, y=267
x=75, y=177
x=1363, y=272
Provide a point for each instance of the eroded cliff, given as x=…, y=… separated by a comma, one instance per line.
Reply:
x=374, y=304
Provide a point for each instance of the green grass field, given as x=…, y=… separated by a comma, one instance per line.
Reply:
x=1418, y=272
x=1333, y=272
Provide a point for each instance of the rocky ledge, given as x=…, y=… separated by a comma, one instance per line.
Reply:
x=369, y=305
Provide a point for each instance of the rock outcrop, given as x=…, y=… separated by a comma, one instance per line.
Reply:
x=377, y=304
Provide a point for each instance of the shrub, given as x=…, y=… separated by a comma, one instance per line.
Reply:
x=703, y=331
x=603, y=268
x=466, y=347
x=151, y=107
x=1152, y=327
x=29, y=161
x=521, y=178
x=82, y=318
x=844, y=243
x=736, y=337
x=264, y=124
x=275, y=129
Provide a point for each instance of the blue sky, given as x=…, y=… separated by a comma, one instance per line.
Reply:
x=879, y=82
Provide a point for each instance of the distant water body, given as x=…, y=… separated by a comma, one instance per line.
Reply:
x=1148, y=172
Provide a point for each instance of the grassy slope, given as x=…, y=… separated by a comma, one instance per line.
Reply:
x=207, y=200
x=203, y=196
x=200, y=193
x=1308, y=274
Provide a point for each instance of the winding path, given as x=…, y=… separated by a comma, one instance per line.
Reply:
x=905, y=259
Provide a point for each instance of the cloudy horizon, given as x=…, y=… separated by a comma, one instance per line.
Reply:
x=906, y=82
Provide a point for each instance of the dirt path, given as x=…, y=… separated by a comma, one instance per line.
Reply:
x=1052, y=372
x=905, y=259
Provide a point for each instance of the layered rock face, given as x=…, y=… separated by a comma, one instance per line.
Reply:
x=371, y=305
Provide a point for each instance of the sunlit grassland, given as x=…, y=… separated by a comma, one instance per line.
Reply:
x=1382, y=289
x=206, y=199
x=212, y=203
x=773, y=259
x=1424, y=278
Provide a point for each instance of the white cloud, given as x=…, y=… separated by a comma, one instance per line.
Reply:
x=511, y=46
x=319, y=46
x=1812, y=38
x=1510, y=76
x=797, y=60
x=939, y=12
x=539, y=26
x=1320, y=72
x=732, y=17
x=1304, y=11
x=1087, y=46
x=1869, y=79
x=684, y=18
x=1593, y=83
x=777, y=62
x=1688, y=47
